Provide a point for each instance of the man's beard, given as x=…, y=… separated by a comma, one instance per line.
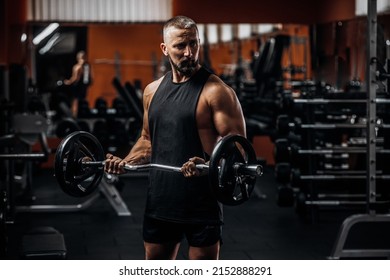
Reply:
x=186, y=67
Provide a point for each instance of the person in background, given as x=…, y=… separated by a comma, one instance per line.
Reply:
x=79, y=81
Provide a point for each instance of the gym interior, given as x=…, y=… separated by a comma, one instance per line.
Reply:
x=312, y=78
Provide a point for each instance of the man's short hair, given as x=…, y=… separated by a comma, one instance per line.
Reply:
x=180, y=22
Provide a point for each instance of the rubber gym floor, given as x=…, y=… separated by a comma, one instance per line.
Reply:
x=257, y=229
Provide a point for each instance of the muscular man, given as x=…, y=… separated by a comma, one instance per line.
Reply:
x=80, y=80
x=185, y=113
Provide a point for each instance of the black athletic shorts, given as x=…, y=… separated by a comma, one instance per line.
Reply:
x=197, y=235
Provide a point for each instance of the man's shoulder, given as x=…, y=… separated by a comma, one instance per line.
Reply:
x=152, y=87
x=214, y=85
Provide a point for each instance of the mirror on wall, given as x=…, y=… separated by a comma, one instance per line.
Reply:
x=55, y=53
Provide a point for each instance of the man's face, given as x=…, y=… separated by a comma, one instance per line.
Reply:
x=182, y=48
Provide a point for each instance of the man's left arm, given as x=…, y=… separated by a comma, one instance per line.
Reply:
x=227, y=112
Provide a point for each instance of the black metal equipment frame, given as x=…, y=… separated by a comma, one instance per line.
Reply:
x=371, y=216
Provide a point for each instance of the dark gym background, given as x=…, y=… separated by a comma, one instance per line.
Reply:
x=304, y=85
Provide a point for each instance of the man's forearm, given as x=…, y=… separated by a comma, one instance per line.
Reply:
x=141, y=151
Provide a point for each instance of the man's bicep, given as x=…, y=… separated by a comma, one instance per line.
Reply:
x=228, y=117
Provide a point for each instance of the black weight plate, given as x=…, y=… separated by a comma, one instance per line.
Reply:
x=230, y=188
x=73, y=178
x=65, y=127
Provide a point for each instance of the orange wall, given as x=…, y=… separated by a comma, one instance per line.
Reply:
x=136, y=45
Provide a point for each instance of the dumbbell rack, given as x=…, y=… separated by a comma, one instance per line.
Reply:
x=371, y=216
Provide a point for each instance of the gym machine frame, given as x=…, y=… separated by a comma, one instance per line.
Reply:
x=36, y=128
x=105, y=187
x=338, y=250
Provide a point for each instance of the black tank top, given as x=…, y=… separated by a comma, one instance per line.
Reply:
x=175, y=139
x=81, y=86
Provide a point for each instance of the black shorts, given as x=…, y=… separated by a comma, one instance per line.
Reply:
x=197, y=235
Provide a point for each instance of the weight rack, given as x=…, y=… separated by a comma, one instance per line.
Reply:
x=371, y=216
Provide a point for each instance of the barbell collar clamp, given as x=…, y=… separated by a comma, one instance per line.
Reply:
x=251, y=170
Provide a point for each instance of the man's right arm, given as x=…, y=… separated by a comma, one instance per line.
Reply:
x=141, y=152
x=142, y=149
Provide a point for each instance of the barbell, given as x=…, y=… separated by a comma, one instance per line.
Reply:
x=232, y=170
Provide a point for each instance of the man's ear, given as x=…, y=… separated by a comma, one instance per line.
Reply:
x=164, y=49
